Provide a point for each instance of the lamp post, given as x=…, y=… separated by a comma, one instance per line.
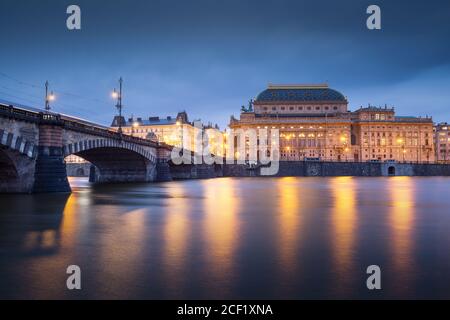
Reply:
x=48, y=97
x=118, y=96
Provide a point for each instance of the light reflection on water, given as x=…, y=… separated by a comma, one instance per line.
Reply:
x=402, y=212
x=230, y=238
x=343, y=220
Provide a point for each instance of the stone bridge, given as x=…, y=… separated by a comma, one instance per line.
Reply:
x=33, y=145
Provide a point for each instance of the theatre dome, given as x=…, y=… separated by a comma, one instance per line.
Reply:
x=304, y=93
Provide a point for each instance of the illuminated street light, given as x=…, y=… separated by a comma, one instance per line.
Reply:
x=48, y=97
x=115, y=94
x=118, y=96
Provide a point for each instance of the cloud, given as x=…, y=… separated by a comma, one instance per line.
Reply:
x=210, y=57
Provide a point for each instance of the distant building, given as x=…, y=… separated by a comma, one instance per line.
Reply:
x=314, y=122
x=442, y=142
x=382, y=135
x=170, y=130
x=74, y=159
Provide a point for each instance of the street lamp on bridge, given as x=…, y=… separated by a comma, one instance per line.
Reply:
x=48, y=97
x=118, y=96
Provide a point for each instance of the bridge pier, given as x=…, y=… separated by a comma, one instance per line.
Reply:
x=162, y=166
x=50, y=171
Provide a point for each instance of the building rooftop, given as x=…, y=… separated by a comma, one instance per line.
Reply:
x=412, y=119
x=303, y=93
x=374, y=109
x=151, y=121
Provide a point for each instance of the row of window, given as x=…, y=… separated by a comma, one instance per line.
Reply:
x=391, y=142
x=301, y=108
x=391, y=127
x=398, y=134
x=381, y=116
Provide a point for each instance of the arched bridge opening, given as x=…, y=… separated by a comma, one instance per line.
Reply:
x=114, y=164
x=17, y=165
x=8, y=170
x=115, y=160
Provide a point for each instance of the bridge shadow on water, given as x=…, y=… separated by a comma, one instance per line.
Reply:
x=31, y=224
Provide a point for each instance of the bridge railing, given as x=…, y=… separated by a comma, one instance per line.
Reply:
x=18, y=113
x=107, y=133
x=67, y=122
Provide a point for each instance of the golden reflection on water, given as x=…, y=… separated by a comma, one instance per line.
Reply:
x=402, y=211
x=51, y=236
x=176, y=237
x=289, y=222
x=220, y=228
x=69, y=224
x=343, y=221
x=119, y=247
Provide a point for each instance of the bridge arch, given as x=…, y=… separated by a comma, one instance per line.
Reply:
x=85, y=145
x=18, y=143
x=17, y=163
x=8, y=169
x=115, y=160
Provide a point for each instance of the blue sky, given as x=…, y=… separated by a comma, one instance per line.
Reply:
x=210, y=57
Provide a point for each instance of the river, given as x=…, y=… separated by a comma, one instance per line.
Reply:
x=230, y=238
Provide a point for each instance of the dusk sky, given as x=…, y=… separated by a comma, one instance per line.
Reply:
x=210, y=57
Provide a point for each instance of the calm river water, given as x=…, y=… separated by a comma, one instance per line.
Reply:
x=230, y=238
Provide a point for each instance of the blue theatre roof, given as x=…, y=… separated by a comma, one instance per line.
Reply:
x=313, y=93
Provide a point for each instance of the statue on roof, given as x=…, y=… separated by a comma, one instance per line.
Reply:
x=250, y=105
x=249, y=108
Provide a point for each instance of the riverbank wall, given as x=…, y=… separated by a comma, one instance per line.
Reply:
x=290, y=169
x=78, y=169
x=311, y=169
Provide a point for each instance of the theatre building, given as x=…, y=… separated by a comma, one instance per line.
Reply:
x=315, y=124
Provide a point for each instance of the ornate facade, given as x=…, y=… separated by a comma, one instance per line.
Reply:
x=314, y=123
x=442, y=142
